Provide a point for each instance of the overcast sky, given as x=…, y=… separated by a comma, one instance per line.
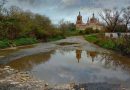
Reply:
x=67, y=9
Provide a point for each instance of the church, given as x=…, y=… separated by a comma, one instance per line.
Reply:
x=93, y=23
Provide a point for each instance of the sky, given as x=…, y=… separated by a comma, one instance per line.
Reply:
x=68, y=10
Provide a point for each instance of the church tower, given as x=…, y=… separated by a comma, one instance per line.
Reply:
x=79, y=19
x=78, y=54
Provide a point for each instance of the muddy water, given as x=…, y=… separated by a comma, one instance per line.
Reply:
x=80, y=66
x=80, y=63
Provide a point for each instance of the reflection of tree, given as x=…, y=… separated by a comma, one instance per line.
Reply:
x=105, y=59
x=64, y=51
x=110, y=60
x=28, y=62
x=92, y=54
x=115, y=61
x=78, y=54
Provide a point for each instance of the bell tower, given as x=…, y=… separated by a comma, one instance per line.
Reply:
x=79, y=19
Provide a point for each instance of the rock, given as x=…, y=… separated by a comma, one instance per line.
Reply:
x=72, y=85
x=12, y=70
x=16, y=71
x=10, y=81
x=19, y=80
x=2, y=81
x=46, y=84
x=20, y=85
x=14, y=83
x=82, y=89
x=2, y=56
x=24, y=79
x=7, y=67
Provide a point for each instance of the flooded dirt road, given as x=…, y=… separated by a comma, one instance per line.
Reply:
x=69, y=60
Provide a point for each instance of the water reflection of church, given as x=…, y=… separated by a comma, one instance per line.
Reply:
x=91, y=54
x=78, y=55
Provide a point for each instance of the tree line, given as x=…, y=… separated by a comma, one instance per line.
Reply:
x=17, y=23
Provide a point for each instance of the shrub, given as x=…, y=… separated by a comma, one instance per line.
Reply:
x=109, y=44
x=123, y=45
x=97, y=31
x=24, y=41
x=91, y=30
x=81, y=32
x=4, y=43
x=54, y=38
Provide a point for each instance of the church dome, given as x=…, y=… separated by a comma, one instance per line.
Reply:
x=93, y=19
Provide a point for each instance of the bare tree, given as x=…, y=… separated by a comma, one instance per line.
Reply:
x=126, y=17
x=63, y=25
x=2, y=9
x=111, y=18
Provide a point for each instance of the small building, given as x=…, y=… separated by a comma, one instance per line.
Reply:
x=93, y=23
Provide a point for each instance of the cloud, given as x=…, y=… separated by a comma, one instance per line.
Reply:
x=68, y=1
x=67, y=9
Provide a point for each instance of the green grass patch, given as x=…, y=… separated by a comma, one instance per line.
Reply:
x=105, y=43
x=4, y=43
x=108, y=44
x=17, y=42
x=24, y=41
x=91, y=38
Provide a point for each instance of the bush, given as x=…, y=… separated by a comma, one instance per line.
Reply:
x=54, y=38
x=89, y=31
x=24, y=41
x=97, y=31
x=81, y=32
x=109, y=44
x=70, y=33
x=123, y=45
x=120, y=28
x=4, y=43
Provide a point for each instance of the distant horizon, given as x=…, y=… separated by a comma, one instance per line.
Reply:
x=68, y=10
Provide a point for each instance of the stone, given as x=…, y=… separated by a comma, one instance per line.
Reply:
x=7, y=67
x=46, y=84
x=10, y=81
x=14, y=83
x=82, y=89
x=2, y=81
x=72, y=85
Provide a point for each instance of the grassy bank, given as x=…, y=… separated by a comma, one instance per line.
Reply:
x=121, y=45
x=105, y=43
x=5, y=43
x=17, y=42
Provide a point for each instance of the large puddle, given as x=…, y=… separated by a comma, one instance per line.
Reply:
x=78, y=66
